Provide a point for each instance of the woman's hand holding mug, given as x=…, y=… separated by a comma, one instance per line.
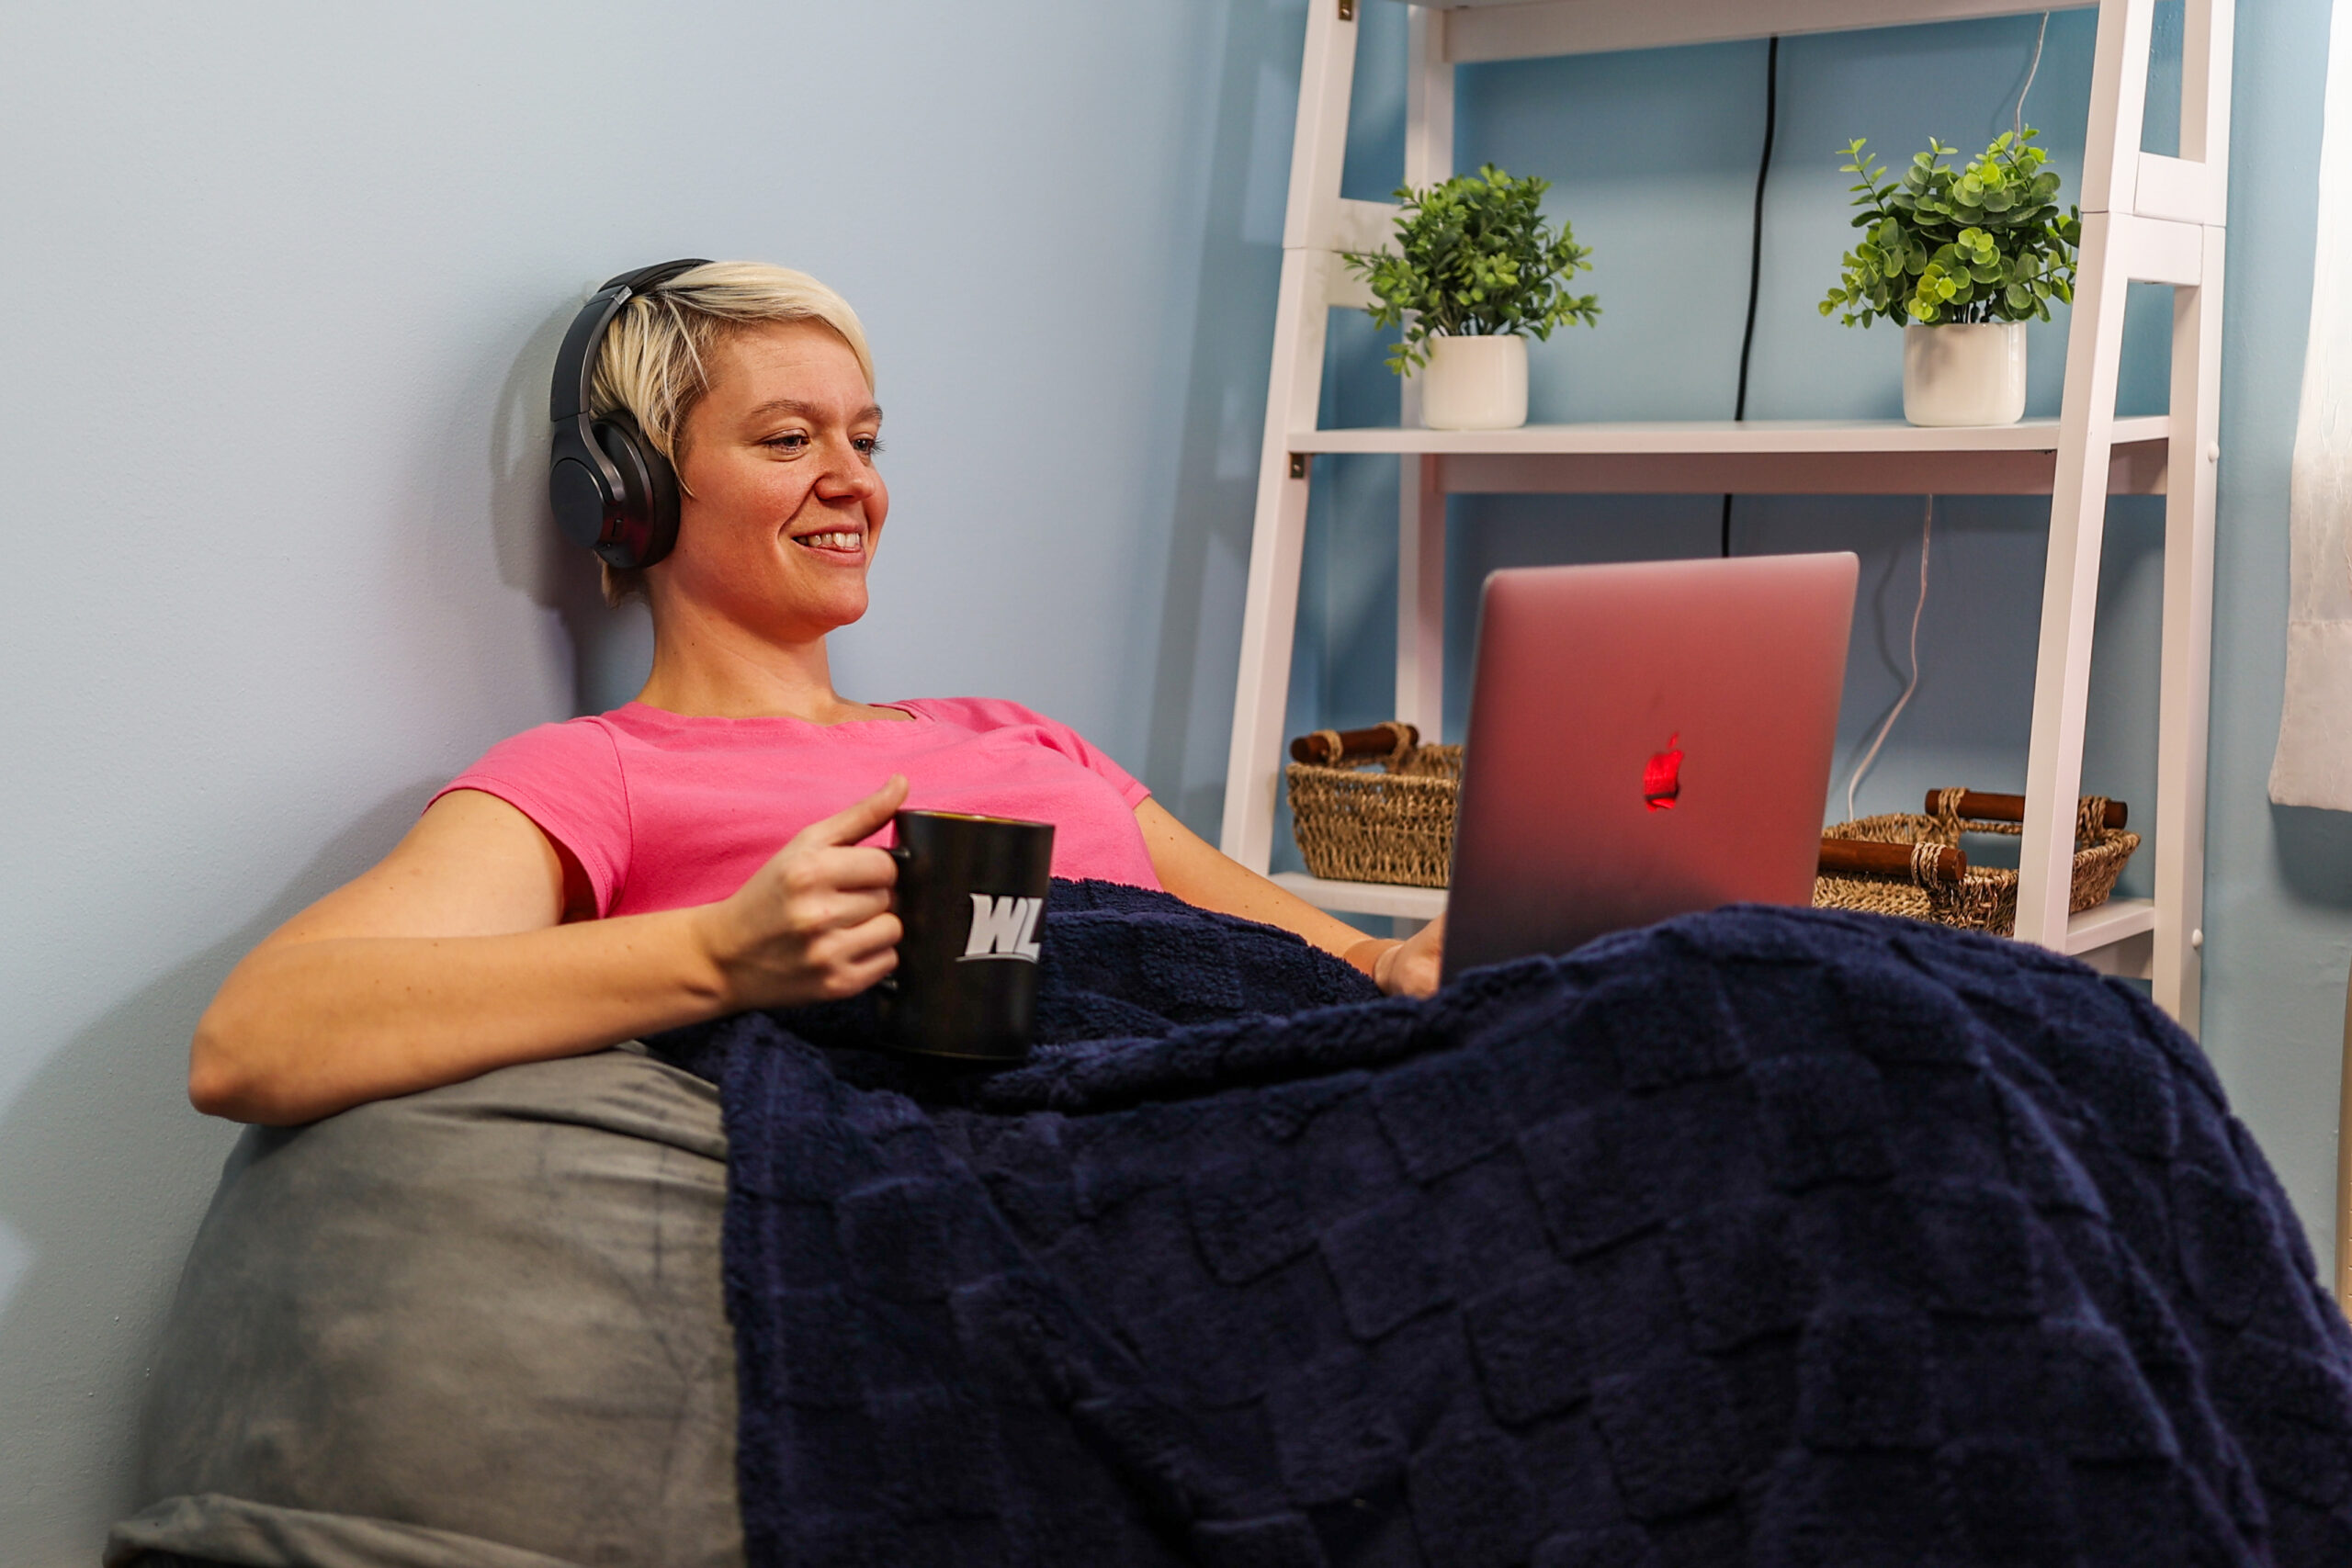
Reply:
x=814, y=923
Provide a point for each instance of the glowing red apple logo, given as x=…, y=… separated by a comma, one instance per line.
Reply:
x=1662, y=775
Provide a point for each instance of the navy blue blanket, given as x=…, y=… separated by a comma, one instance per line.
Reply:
x=1758, y=1237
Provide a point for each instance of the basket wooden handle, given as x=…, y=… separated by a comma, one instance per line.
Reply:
x=1330, y=748
x=2011, y=807
x=1846, y=857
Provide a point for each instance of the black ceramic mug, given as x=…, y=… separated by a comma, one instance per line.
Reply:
x=971, y=897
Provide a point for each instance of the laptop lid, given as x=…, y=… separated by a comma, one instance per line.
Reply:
x=1645, y=741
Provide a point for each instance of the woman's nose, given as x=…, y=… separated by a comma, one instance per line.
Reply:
x=847, y=472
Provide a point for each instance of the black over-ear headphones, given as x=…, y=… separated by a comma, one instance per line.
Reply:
x=613, y=493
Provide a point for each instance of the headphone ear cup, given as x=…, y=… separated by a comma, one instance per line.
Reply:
x=645, y=523
x=578, y=492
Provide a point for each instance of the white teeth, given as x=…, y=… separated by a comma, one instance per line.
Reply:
x=837, y=541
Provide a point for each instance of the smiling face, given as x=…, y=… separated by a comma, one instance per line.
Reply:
x=782, y=504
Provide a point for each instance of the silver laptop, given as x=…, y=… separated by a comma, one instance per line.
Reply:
x=1645, y=740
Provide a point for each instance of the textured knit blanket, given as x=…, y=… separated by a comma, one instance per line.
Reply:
x=1757, y=1237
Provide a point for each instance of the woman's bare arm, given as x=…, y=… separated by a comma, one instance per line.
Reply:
x=1196, y=872
x=448, y=959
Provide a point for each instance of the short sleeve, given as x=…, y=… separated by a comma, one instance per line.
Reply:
x=995, y=713
x=567, y=779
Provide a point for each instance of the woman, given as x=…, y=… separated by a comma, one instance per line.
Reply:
x=591, y=882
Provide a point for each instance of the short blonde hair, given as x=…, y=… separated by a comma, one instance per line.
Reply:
x=653, y=364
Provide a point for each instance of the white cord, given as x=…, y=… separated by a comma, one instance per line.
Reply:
x=2031, y=70
x=1927, y=533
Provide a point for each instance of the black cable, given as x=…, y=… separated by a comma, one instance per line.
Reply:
x=1756, y=244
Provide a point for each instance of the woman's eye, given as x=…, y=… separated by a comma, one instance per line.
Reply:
x=790, y=441
x=869, y=445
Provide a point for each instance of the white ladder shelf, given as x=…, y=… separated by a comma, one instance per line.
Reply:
x=2145, y=219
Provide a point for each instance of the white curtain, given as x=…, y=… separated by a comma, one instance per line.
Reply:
x=2313, y=765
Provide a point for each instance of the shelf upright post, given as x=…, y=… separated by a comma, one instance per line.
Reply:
x=2186, y=656
x=1420, y=505
x=1311, y=225
x=2079, y=496
x=2185, y=688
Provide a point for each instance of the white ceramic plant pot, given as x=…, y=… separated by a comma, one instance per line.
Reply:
x=1475, y=383
x=1971, y=374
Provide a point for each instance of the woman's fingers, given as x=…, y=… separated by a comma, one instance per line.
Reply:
x=865, y=867
x=848, y=962
x=862, y=942
x=849, y=979
x=848, y=909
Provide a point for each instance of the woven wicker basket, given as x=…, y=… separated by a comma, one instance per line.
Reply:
x=1392, y=821
x=1984, y=898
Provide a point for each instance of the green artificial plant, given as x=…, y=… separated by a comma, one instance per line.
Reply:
x=1985, y=243
x=1474, y=257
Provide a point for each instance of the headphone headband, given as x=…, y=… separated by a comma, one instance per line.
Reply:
x=612, y=491
x=575, y=363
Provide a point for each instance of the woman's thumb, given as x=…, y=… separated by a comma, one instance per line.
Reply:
x=856, y=821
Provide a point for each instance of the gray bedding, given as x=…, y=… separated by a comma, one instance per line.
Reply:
x=476, y=1327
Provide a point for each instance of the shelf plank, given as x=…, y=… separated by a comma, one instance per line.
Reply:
x=2117, y=937
x=1808, y=437
x=2140, y=468
x=1757, y=457
x=1364, y=898
x=1522, y=29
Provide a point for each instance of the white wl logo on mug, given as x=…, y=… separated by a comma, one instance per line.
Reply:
x=1004, y=928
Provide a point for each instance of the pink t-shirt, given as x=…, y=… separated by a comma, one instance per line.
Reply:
x=664, y=810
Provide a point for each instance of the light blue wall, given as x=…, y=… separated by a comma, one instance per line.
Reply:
x=285, y=280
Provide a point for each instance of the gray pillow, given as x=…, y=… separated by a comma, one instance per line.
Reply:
x=476, y=1327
